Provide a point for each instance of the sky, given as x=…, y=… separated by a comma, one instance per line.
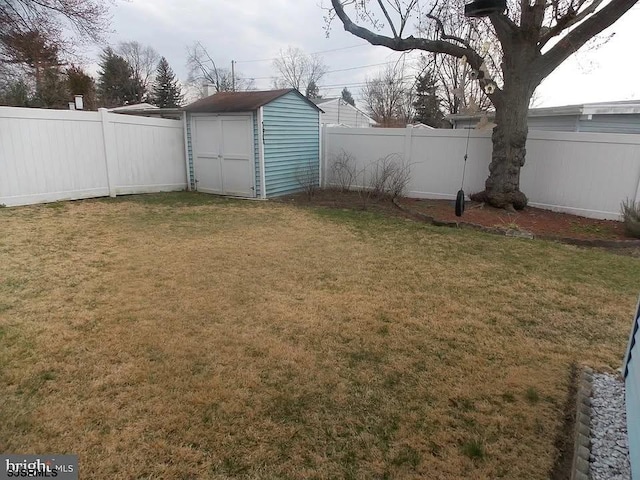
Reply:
x=252, y=32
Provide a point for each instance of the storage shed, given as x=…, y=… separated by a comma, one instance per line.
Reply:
x=253, y=144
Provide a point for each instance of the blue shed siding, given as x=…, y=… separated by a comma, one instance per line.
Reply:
x=631, y=371
x=291, y=144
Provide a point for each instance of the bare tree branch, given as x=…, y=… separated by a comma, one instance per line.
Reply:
x=298, y=70
x=580, y=35
x=143, y=61
x=567, y=21
x=204, y=70
x=408, y=43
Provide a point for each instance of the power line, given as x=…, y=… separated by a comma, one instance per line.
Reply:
x=333, y=71
x=409, y=77
x=312, y=53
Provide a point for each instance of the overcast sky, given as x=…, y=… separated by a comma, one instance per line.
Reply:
x=253, y=31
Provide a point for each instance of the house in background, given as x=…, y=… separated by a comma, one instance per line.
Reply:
x=606, y=117
x=339, y=112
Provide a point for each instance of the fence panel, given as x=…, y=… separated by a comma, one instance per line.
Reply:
x=51, y=155
x=150, y=154
x=435, y=157
x=587, y=174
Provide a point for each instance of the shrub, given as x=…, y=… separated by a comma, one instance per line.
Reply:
x=631, y=217
x=307, y=178
x=343, y=170
x=390, y=176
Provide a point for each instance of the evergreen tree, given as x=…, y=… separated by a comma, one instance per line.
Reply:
x=79, y=83
x=117, y=85
x=427, y=103
x=16, y=94
x=312, y=90
x=51, y=91
x=166, y=91
x=347, y=97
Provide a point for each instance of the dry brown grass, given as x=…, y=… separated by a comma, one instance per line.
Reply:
x=182, y=336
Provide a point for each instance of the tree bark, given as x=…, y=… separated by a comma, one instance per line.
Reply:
x=502, y=187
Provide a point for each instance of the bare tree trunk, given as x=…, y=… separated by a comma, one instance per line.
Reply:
x=502, y=187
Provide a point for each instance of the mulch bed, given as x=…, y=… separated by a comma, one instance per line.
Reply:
x=530, y=222
x=541, y=223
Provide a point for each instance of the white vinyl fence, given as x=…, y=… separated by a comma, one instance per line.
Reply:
x=587, y=174
x=51, y=155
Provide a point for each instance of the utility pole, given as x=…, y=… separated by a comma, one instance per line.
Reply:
x=233, y=75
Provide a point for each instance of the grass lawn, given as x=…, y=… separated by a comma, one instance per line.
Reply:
x=184, y=336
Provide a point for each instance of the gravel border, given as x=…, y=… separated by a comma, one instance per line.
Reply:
x=609, y=441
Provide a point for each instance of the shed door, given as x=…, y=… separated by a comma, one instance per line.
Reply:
x=223, y=155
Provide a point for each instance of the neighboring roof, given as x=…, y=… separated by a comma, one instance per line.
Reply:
x=151, y=112
x=136, y=106
x=319, y=101
x=322, y=101
x=421, y=125
x=624, y=107
x=227, y=102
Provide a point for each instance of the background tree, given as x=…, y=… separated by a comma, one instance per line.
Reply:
x=388, y=97
x=531, y=41
x=427, y=102
x=204, y=70
x=52, y=91
x=456, y=88
x=312, y=90
x=166, y=90
x=298, y=70
x=80, y=83
x=347, y=97
x=36, y=72
x=143, y=61
x=34, y=36
x=116, y=84
x=87, y=18
x=15, y=93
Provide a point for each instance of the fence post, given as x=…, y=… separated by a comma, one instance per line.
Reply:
x=110, y=155
x=408, y=132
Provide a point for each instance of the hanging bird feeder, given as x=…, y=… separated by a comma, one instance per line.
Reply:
x=484, y=8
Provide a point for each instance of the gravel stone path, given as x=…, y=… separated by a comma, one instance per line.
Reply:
x=609, y=443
